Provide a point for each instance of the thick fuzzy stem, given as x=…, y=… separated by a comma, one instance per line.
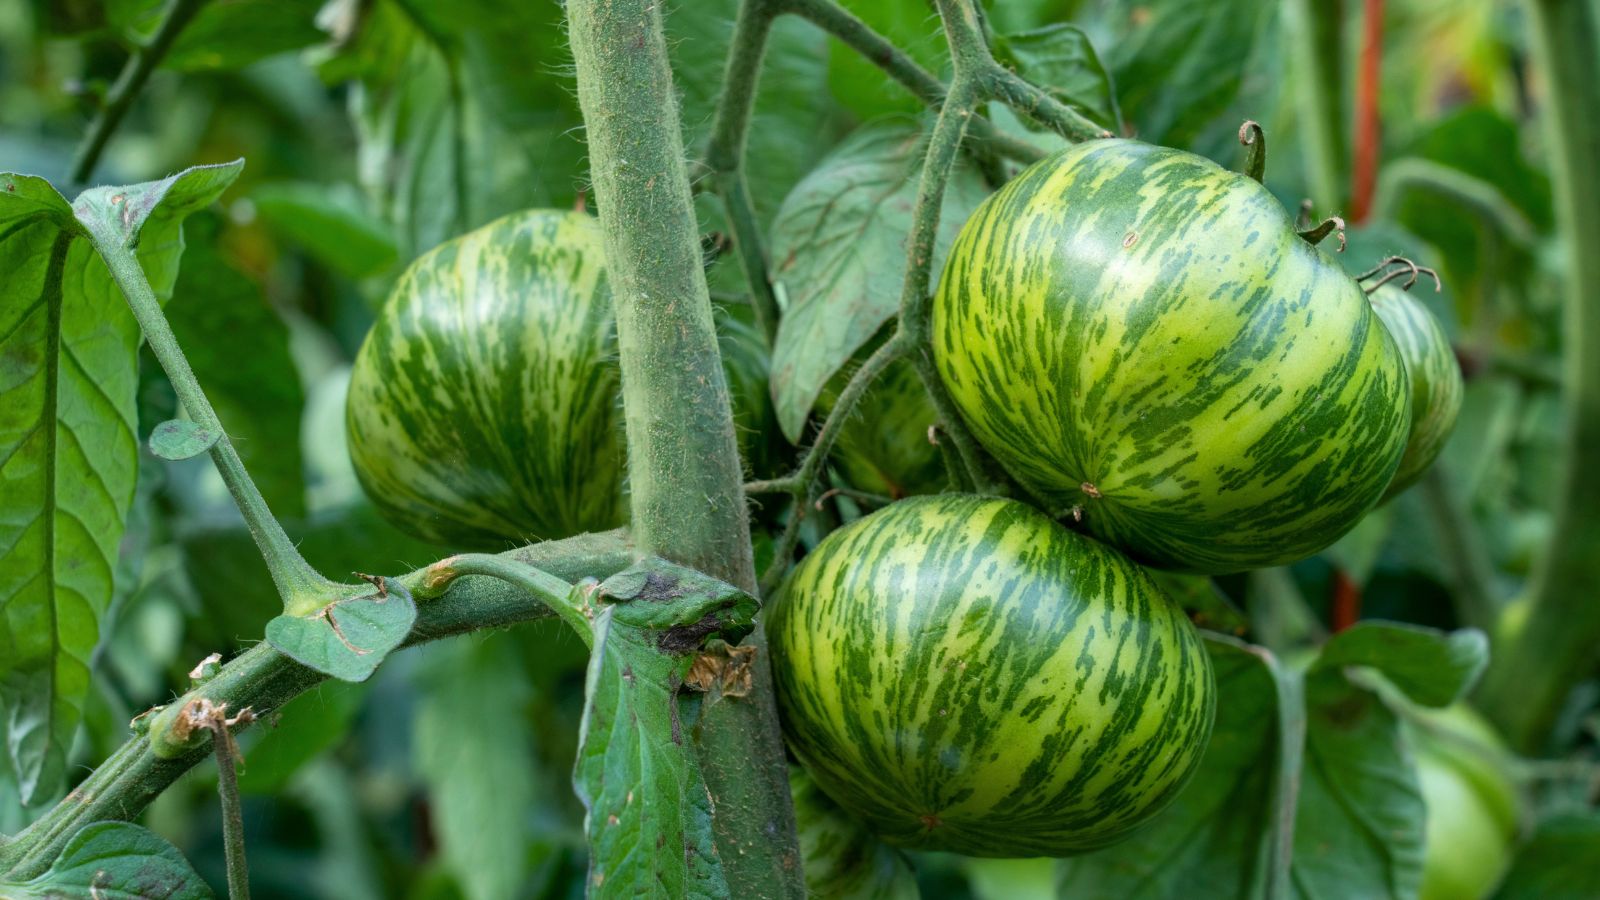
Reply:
x=1535, y=665
x=683, y=462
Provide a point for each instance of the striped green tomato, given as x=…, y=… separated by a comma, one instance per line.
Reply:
x=484, y=403
x=883, y=447
x=1436, y=387
x=961, y=673
x=1144, y=341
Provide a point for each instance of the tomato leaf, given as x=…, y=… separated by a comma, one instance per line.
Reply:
x=1432, y=667
x=637, y=773
x=113, y=859
x=330, y=224
x=1060, y=59
x=1227, y=834
x=182, y=439
x=475, y=752
x=1558, y=862
x=1182, y=63
x=839, y=250
x=347, y=638
x=68, y=450
x=1359, y=827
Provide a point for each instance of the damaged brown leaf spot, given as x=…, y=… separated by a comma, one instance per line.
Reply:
x=685, y=638
x=723, y=669
x=205, y=668
x=376, y=581
x=327, y=613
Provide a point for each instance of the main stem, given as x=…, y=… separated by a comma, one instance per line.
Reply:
x=1535, y=666
x=684, y=473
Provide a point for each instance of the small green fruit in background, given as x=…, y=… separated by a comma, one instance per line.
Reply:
x=961, y=673
x=1472, y=804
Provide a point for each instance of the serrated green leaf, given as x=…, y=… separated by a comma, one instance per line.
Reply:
x=638, y=773
x=1432, y=667
x=347, y=639
x=1359, y=828
x=839, y=249
x=68, y=450
x=475, y=752
x=113, y=860
x=1061, y=59
x=1227, y=834
x=649, y=812
x=181, y=439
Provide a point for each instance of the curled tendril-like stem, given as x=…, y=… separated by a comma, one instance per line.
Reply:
x=1254, y=140
x=1391, y=268
x=1330, y=225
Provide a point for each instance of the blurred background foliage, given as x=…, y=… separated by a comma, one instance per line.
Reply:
x=374, y=129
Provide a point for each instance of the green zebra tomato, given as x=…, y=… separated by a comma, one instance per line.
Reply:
x=1436, y=387
x=1142, y=339
x=484, y=404
x=961, y=673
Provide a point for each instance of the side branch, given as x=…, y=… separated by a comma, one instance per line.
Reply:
x=128, y=85
x=263, y=679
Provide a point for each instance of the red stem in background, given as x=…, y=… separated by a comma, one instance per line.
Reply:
x=1346, y=601
x=1365, y=171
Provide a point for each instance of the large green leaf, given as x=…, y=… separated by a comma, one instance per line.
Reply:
x=113, y=860
x=330, y=223
x=1180, y=64
x=1558, y=862
x=68, y=452
x=839, y=250
x=464, y=112
x=1060, y=59
x=1227, y=834
x=638, y=775
x=1359, y=827
x=1359, y=831
x=788, y=128
x=1432, y=667
x=475, y=752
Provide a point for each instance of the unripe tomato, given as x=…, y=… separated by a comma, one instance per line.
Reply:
x=1145, y=342
x=961, y=673
x=484, y=404
x=1435, y=375
x=1472, y=805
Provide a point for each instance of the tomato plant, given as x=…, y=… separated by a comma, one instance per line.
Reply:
x=840, y=448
